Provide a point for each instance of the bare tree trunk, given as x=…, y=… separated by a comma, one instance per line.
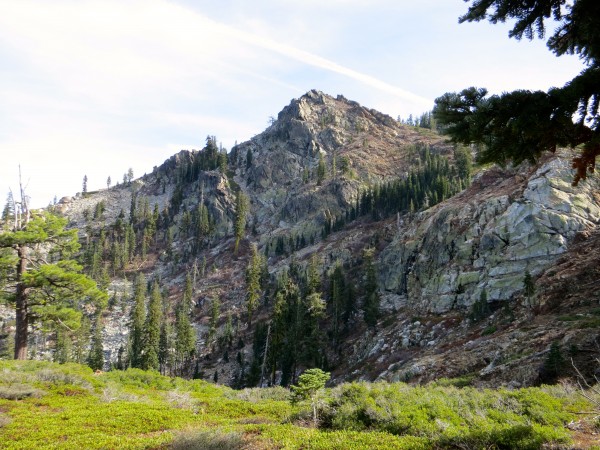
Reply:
x=22, y=317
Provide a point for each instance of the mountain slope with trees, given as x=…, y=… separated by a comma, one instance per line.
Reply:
x=338, y=238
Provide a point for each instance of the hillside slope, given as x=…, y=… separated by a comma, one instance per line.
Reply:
x=338, y=190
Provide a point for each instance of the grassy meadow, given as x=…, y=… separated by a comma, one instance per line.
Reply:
x=50, y=406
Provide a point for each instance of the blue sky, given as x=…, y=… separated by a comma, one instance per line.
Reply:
x=95, y=87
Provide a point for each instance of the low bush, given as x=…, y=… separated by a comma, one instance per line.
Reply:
x=449, y=416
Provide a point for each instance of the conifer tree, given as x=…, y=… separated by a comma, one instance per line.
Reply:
x=241, y=210
x=313, y=279
x=253, y=284
x=248, y=159
x=96, y=357
x=520, y=125
x=228, y=331
x=164, y=346
x=528, y=284
x=215, y=312
x=40, y=279
x=138, y=318
x=185, y=335
x=371, y=302
x=152, y=330
x=8, y=212
x=63, y=346
x=81, y=341
x=337, y=289
x=321, y=170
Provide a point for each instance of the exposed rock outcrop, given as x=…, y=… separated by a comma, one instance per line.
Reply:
x=486, y=238
x=280, y=173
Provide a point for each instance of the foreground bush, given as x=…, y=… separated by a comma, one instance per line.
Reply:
x=452, y=417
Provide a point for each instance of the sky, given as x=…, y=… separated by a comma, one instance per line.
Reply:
x=95, y=87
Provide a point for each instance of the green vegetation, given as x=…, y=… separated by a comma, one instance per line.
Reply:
x=431, y=182
x=38, y=276
x=311, y=386
x=47, y=405
x=239, y=224
x=520, y=125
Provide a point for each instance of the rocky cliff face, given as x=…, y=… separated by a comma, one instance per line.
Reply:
x=437, y=264
x=487, y=237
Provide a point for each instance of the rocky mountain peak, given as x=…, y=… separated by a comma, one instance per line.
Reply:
x=278, y=168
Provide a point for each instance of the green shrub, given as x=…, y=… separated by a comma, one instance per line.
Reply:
x=462, y=381
x=490, y=329
x=451, y=417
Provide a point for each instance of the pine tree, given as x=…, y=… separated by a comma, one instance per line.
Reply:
x=63, y=346
x=44, y=285
x=138, y=318
x=185, y=335
x=215, y=312
x=164, y=345
x=81, y=341
x=464, y=163
x=520, y=125
x=8, y=213
x=222, y=162
x=337, y=289
x=313, y=278
x=528, y=285
x=241, y=210
x=371, y=302
x=321, y=170
x=228, y=331
x=152, y=330
x=248, y=159
x=253, y=283
x=96, y=357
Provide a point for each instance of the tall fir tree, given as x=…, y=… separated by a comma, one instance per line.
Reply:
x=185, y=335
x=215, y=313
x=241, y=211
x=96, y=356
x=371, y=301
x=138, y=318
x=253, y=283
x=152, y=329
x=321, y=170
